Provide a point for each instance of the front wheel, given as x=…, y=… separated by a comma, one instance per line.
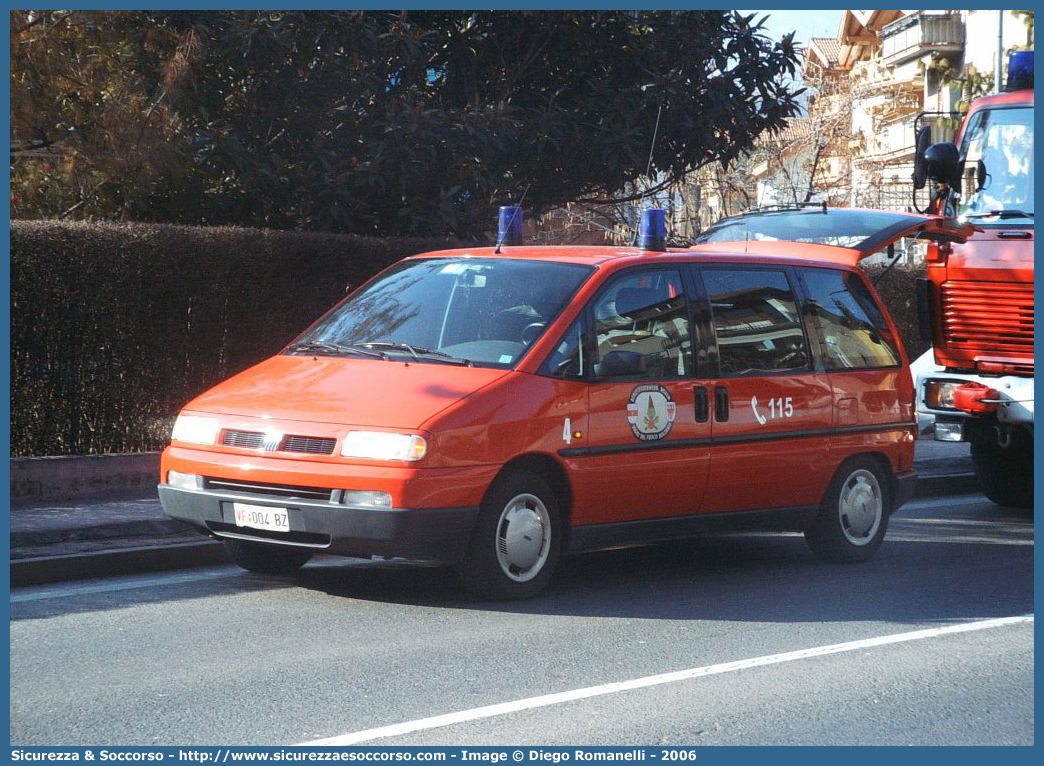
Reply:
x=517, y=539
x=1006, y=473
x=853, y=516
x=266, y=558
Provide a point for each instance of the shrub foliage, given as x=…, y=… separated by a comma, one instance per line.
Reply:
x=115, y=326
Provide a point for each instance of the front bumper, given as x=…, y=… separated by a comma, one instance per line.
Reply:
x=905, y=485
x=440, y=534
x=1016, y=393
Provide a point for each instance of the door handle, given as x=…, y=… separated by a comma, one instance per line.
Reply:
x=702, y=410
x=721, y=404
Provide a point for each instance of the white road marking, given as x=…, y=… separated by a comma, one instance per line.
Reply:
x=506, y=708
x=130, y=582
x=951, y=501
x=42, y=592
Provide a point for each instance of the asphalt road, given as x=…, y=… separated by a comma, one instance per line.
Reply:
x=222, y=657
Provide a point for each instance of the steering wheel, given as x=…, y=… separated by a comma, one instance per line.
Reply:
x=531, y=332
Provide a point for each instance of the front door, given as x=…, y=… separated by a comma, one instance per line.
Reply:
x=648, y=425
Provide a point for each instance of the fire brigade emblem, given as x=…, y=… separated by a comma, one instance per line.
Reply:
x=651, y=412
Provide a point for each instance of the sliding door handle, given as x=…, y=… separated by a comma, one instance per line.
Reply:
x=701, y=404
x=721, y=404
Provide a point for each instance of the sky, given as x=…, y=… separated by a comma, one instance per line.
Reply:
x=818, y=23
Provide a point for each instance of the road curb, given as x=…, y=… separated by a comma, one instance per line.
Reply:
x=83, y=566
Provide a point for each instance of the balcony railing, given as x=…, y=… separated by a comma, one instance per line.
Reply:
x=920, y=33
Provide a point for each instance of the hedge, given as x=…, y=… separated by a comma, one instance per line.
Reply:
x=114, y=327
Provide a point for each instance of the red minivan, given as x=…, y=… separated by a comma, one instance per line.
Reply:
x=496, y=408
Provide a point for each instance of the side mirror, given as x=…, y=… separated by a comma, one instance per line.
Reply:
x=980, y=175
x=620, y=364
x=943, y=163
x=920, y=173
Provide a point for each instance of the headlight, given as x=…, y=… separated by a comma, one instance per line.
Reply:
x=195, y=429
x=379, y=445
x=938, y=394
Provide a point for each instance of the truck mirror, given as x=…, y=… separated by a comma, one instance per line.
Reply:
x=920, y=173
x=943, y=164
x=980, y=175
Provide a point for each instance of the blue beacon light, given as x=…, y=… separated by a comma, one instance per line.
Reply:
x=652, y=231
x=509, y=226
x=1020, y=70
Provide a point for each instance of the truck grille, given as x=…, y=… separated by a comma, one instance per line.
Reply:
x=312, y=445
x=280, y=491
x=988, y=317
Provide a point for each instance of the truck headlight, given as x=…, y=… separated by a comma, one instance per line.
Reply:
x=195, y=429
x=938, y=394
x=380, y=445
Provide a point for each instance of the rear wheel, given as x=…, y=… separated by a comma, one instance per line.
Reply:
x=266, y=558
x=517, y=540
x=1006, y=473
x=853, y=516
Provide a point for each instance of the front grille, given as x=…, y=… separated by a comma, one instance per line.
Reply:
x=313, y=445
x=271, y=491
x=244, y=439
x=989, y=317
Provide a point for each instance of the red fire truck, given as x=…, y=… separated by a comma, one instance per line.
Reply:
x=976, y=303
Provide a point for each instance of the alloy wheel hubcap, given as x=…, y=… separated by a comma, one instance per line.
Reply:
x=861, y=507
x=523, y=537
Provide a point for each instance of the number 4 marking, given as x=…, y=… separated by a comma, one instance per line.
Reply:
x=567, y=432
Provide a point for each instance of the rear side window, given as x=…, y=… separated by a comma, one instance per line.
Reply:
x=756, y=321
x=847, y=322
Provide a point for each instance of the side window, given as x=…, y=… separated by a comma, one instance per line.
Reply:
x=756, y=321
x=568, y=360
x=850, y=327
x=642, y=327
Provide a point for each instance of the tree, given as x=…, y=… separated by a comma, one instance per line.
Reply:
x=417, y=122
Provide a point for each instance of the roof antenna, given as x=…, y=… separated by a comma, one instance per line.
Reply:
x=648, y=165
x=509, y=224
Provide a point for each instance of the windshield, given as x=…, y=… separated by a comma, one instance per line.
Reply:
x=448, y=311
x=863, y=230
x=997, y=150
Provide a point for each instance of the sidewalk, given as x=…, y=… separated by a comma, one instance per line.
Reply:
x=125, y=533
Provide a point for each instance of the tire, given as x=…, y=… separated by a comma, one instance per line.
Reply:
x=266, y=558
x=1006, y=473
x=517, y=540
x=853, y=516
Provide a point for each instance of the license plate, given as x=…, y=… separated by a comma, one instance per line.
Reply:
x=261, y=517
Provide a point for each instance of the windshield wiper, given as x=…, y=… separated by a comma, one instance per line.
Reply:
x=335, y=348
x=1000, y=214
x=417, y=351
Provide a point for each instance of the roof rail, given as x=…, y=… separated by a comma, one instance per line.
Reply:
x=787, y=206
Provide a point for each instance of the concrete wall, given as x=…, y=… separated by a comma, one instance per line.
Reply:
x=82, y=475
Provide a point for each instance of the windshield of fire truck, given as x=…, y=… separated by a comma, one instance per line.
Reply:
x=997, y=149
